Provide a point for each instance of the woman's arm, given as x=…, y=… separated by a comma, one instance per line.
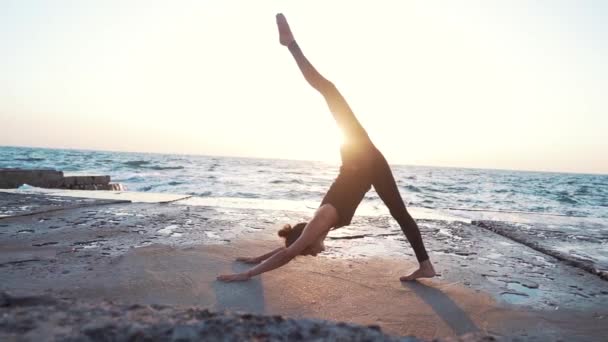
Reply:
x=257, y=260
x=315, y=229
x=338, y=106
x=275, y=261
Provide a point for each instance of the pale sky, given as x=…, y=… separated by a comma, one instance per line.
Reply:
x=489, y=84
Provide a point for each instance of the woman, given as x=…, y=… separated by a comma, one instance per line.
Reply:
x=362, y=166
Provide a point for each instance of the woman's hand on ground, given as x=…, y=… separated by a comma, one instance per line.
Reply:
x=233, y=277
x=285, y=35
x=248, y=260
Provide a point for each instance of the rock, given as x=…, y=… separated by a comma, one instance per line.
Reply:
x=14, y=178
x=106, y=321
x=463, y=253
x=184, y=333
x=5, y=299
x=136, y=333
x=101, y=180
x=99, y=331
x=529, y=284
x=69, y=181
x=45, y=244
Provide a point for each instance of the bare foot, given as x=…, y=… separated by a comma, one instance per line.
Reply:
x=285, y=35
x=425, y=270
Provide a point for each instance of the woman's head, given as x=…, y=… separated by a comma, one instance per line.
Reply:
x=291, y=234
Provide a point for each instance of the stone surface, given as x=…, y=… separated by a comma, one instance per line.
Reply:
x=131, y=196
x=535, y=238
x=16, y=204
x=170, y=254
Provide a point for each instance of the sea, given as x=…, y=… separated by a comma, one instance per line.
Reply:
x=571, y=210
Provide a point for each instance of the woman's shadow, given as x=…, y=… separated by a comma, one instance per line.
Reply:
x=240, y=296
x=456, y=318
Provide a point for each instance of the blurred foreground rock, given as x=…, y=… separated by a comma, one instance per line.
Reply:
x=36, y=318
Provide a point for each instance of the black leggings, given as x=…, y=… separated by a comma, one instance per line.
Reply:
x=384, y=184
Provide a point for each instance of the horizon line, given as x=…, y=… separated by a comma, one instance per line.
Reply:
x=304, y=160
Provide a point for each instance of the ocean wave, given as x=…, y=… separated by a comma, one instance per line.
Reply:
x=455, y=188
x=290, y=181
x=135, y=179
x=156, y=167
x=583, y=190
x=200, y=194
x=564, y=197
x=245, y=195
x=421, y=204
x=136, y=163
x=501, y=191
x=293, y=194
x=431, y=189
x=152, y=186
x=145, y=164
x=412, y=188
x=29, y=159
x=147, y=188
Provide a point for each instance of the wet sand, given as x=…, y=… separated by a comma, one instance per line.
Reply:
x=150, y=253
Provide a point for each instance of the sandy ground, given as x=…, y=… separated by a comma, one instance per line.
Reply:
x=150, y=253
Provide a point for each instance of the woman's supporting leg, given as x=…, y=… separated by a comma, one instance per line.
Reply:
x=385, y=186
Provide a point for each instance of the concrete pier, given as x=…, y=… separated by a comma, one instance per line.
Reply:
x=14, y=178
x=53, y=179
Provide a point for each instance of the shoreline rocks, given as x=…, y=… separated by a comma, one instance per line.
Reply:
x=14, y=178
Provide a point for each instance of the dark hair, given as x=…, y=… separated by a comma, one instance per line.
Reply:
x=291, y=234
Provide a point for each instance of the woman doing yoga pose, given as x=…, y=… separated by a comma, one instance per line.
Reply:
x=362, y=166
